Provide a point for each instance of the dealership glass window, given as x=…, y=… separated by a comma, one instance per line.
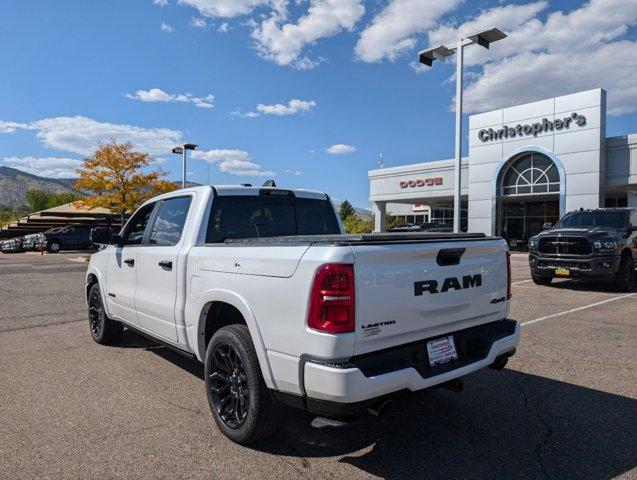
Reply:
x=530, y=174
x=521, y=220
x=615, y=202
x=170, y=221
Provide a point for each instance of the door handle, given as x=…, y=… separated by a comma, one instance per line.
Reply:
x=166, y=264
x=130, y=262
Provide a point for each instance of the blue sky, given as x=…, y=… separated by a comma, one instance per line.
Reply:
x=266, y=87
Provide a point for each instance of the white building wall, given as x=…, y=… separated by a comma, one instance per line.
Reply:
x=591, y=163
x=579, y=148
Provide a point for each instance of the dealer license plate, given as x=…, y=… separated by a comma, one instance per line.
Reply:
x=562, y=272
x=442, y=350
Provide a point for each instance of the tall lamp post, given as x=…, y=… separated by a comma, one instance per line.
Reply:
x=182, y=151
x=440, y=52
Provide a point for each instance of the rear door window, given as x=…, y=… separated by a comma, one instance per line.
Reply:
x=269, y=216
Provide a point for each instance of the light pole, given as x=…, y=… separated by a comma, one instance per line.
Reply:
x=441, y=52
x=182, y=151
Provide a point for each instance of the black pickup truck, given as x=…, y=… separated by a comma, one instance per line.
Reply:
x=587, y=243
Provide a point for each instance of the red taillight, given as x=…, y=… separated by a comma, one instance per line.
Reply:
x=509, y=293
x=331, y=306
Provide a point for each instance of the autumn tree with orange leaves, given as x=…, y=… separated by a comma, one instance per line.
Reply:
x=113, y=178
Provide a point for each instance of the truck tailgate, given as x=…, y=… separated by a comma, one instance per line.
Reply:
x=409, y=292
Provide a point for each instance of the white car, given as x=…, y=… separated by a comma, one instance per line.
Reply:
x=262, y=286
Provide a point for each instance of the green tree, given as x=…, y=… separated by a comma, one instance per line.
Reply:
x=355, y=224
x=37, y=199
x=41, y=199
x=346, y=210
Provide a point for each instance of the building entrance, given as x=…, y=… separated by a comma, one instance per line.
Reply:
x=528, y=197
x=519, y=221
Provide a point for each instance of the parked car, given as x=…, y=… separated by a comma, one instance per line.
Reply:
x=34, y=241
x=70, y=237
x=12, y=245
x=263, y=287
x=5, y=246
x=600, y=244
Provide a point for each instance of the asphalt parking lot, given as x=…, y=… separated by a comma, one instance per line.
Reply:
x=565, y=406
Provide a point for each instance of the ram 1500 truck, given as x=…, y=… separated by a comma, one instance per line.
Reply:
x=262, y=285
x=599, y=244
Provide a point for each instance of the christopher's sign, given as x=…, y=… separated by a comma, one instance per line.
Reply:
x=534, y=129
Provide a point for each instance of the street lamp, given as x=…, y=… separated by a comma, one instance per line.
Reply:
x=440, y=52
x=182, y=151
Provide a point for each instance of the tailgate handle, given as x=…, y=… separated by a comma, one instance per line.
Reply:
x=449, y=256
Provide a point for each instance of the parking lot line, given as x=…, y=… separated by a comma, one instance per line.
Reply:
x=591, y=305
x=522, y=281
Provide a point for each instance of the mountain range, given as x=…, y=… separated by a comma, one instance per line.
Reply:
x=14, y=185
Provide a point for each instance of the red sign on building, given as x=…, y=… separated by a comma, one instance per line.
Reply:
x=421, y=182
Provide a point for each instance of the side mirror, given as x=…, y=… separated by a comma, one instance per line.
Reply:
x=547, y=225
x=104, y=236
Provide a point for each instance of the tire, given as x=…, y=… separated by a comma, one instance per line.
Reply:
x=541, y=279
x=625, y=276
x=103, y=330
x=54, y=247
x=242, y=405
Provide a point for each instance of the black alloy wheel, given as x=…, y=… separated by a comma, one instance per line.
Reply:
x=229, y=386
x=95, y=313
x=242, y=406
x=103, y=330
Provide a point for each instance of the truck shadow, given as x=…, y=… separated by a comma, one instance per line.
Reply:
x=505, y=425
x=587, y=285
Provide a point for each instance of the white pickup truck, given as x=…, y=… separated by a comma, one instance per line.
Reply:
x=262, y=285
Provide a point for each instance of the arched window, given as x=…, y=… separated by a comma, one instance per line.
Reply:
x=530, y=174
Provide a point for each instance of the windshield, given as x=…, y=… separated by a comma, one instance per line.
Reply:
x=269, y=216
x=605, y=219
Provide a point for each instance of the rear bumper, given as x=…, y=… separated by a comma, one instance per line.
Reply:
x=324, y=383
x=589, y=266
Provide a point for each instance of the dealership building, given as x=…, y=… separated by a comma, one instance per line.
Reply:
x=527, y=165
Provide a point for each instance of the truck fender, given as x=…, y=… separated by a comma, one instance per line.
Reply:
x=92, y=271
x=237, y=301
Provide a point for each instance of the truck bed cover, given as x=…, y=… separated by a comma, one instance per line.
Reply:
x=360, y=239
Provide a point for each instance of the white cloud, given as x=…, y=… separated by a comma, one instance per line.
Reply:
x=233, y=161
x=229, y=8
x=293, y=107
x=198, y=22
x=158, y=95
x=340, y=149
x=160, y=3
x=81, y=135
x=295, y=173
x=52, y=167
x=281, y=41
x=275, y=36
x=585, y=48
x=393, y=31
x=218, y=155
x=166, y=27
x=244, y=168
x=10, y=127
